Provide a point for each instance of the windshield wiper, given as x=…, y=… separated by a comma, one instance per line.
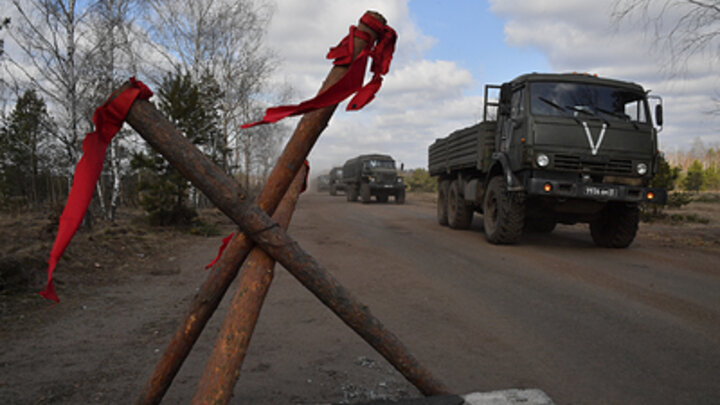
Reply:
x=622, y=116
x=544, y=100
x=589, y=112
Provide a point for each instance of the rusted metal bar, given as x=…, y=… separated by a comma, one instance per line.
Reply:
x=231, y=199
x=211, y=292
x=223, y=367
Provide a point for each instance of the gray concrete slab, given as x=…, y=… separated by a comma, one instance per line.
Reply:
x=501, y=397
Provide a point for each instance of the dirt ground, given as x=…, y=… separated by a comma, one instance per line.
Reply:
x=123, y=289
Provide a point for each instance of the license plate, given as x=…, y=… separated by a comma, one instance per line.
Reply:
x=602, y=192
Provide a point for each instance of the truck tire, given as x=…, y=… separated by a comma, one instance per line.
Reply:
x=442, y=204
x=503, y=213
x=365, y=193
x=333, y=190
x=351, y=193
x=617, y=226
x=460, y=213
x=400, y=197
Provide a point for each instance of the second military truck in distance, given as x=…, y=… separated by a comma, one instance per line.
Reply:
x=552, y=148
x=373, y=175
x=336, y=181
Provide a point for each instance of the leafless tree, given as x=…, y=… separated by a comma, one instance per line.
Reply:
x=115, y=59
x=684, y=27
x=54, y=59
x=223, y=39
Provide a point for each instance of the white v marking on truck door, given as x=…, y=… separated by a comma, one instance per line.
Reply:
x=593, y=146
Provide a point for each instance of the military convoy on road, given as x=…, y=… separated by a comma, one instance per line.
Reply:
x=372, y=175
x=561, y=148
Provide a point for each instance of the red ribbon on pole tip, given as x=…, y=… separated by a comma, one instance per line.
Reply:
x=226, y=240
x=108, y=120
x=352, y=81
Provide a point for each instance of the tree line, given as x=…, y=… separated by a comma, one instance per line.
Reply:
x=205, y=60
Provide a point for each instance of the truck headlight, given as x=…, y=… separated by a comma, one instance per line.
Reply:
x=641, y=168
x=542, y=160
x=399, y=180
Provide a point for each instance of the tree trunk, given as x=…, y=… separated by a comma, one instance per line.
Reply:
x=115, y=196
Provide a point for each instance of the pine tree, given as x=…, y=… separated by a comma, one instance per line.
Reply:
x=21, y=142
x=163, y=190
x=694, y=178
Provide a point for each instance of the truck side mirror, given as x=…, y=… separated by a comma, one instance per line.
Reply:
x=659, y=115
x=402, y=167
x=505, y=99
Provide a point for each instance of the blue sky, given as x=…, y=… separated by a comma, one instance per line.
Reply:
x=468, y=33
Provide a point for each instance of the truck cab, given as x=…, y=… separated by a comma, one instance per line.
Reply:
x=371, y=175
x=335, y=180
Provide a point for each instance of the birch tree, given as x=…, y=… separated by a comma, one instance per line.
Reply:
x=115, y=59
x=223, y=40
x=54, y=61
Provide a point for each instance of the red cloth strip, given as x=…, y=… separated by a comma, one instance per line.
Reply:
x=223, y=245
x=352, y=81
x=108, y=120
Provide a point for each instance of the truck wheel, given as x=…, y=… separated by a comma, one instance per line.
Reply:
x=503, y=213
x=400, y=197
x=383, y=198
x=333, y=191
x=460, y=213
x=351, y=193
x=365, y=193
x=442, y=204
x=617, y=226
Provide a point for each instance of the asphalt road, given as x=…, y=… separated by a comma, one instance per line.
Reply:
x=586, y=325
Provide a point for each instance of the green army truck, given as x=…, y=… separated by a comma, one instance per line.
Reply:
x=336, y=182
x=373, y=175
x=552, y=148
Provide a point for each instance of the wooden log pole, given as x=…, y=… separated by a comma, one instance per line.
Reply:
x=223, y=367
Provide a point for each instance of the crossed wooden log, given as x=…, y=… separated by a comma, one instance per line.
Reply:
x=262, y=240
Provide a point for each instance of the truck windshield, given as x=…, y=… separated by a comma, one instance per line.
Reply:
x=568, y=99
x=375, y=164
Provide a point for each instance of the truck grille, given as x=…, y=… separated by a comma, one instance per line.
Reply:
x=575, y=163
x=386, y=178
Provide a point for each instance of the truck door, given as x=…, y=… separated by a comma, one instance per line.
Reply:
x=513, y=127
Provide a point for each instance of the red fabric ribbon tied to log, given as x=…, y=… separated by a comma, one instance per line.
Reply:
x=108, y=120
x=352, y=81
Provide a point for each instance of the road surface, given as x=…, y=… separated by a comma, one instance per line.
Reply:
x=587, y=325
x=584, y=324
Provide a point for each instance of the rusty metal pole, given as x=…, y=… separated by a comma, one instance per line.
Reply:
x=211, y=292
x=223, y=367
x=230, y=198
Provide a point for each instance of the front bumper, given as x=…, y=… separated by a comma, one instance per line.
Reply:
x=387, y=186
x=595, y=191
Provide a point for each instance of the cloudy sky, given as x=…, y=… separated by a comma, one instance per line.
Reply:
x=447, y=51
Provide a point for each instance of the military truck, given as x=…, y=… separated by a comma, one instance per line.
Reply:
x=552, y=148
x=335, y=180
x=322, y=182
x=373, y=175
